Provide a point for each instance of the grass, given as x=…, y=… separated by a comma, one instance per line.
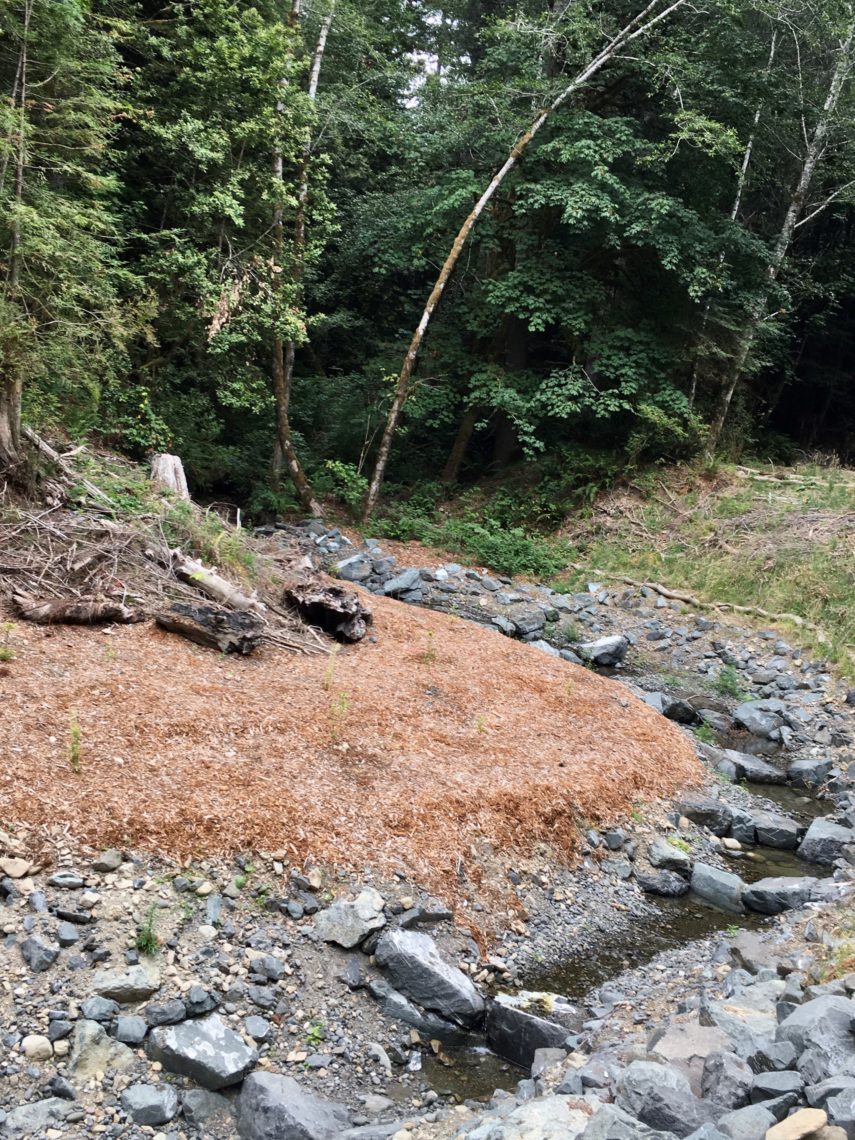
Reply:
x=147, y=941
x=680, y=844
x=7, y=651
x=726, y=684
x=705, y=734
x=74, y=742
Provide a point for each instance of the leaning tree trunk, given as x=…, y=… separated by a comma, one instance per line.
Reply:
x=458, y=449
x=638, y=26
x=759, y=308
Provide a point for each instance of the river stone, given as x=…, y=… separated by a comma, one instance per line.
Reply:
x=776, y=830
x=667, y=884
x=606, y=651
x=92, y=1051
x=413, y=964
x=133, y=984
x=761, y=718
x=727, y=1080
x=35, y=1047
x=38, y=955
x=773, y=895
x=272, y=1106
x=349, y=923
x=821, y=1032
x=612, y=1123
x=663, y=854
x=205, y=1050
x=809, y=773
x=707, y=812
x=37, y=1117
x=749, y=1123
x=721, y=888
x=520, y=1024
x=150, y=1104
x=825, y=841
x=753, y=769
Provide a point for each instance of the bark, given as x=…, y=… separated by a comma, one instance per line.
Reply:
x=168, y=471
x=646, y=19
x=73, y=611
x=216, y=629
x=212, y=584
x=816, y=147
x=451, y=471
x=334, y=609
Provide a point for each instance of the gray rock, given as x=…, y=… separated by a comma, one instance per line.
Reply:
x=809, y=773
x=820, y=1030
x=661, y=1097
x=107, y=861
x=749, y=951
x=99, y=1009
x=349, y=923
x=753, y=769
x=748, y=1018
x=430, y=1025
x=773, y=895
x=544, y=1118
x=198, y=1001
x=150, y=1104
x=762, y=718
x=667, y=884
x=131, y=1030
x=606, y=651
x=354, y=569
x=257, y=1027
x=519, y=1024
x=131, y=985
x=544, y=1059
x=413, y=963
x=727, y=1080
x=816, y=1095
x=165, y=1012
x=841, y=1111
x=776, y=830
x=406, y=580
x=612, y=1123
x=721, y=888
x=92, y=1051
x=206, y=1050
x=663, y=854
x=707, y=812
x=825, y=841
x=749, y=1123
x=199, y=1106
x=67, y=934
x=66, y=881
x=771, y=1086
x=528, y=620
x=27, y=1119
x=38, y=955
x=275, y=1107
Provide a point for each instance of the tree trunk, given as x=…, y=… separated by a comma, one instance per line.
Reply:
x=758, y=312
x=451, y=471
x=222, y=630
x=638, y=26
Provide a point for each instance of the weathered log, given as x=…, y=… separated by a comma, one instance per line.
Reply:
x=337, y=611
x=214, y=628
x=73, y=611
x=192, y=571
x=168, y=471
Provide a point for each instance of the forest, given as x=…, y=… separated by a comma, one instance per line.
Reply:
x=386, y=249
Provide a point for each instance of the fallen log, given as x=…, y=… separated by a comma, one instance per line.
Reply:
x=74, y=611
x=334, y=609
x=227, y=631
x=219, y=589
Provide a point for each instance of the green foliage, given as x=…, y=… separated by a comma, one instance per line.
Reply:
x=75, y=738
x=726, y=683
x=147, y=941
x=7, y=650
x=705, y=734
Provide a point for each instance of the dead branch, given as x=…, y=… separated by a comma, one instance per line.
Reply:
x=60, y=463
x=192, y=571
x=73, y=611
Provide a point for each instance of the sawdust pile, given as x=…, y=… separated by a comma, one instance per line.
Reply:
x=402, y=753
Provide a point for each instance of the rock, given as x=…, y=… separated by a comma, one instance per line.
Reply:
x=809, y=773
x=545, y=1059
x=841, y=1110
x=414, y=966
x=520, y=1024
x=131, y=985
x=92, y=1051
x=545, y=1118
x=802, y=1123
x=165, y=1012
x=354, y=569
x=38, y=955
x=275, y=1107
x=753, y=769
x=199, y=1001
x=817, y=1095
x=727, y=1080
x=686, y=1046
x=821, y=1032
x=406, y=580
x=606, y=651
x=825, y=841
x=131, y=1030
x=748, y=1018
x=36, y=1048
x=430, y=1025
x=749, y=1123
x=349, y=923
x=107, y=861
x=773, y=895
x=66, y=881
x=257, y=1027
x=776, y=830
x=721, y=888
x=67, y=934
x=667, y=884
x=99, y=1009
x=663, y=854
x=150, y=1104
x=27, y=1119
x=660, y=1096
x=205, y=1050
x=761, y=718
x=15, y=868
x=612, y=1123
x=707, y=812
x=199, y=1106
x=750, y=952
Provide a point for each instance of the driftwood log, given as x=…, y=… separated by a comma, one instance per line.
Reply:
x=214, y=628
x=216, y=587
x=334, y=609
x=73, y=611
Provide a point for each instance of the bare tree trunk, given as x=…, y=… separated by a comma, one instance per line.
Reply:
x=644, y=22
x=758, y=312
x=451, y=471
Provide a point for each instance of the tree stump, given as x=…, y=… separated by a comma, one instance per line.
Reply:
x=168, y=471
x=214, y=628
x=334, y=609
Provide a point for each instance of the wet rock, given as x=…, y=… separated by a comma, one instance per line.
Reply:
x=820, y=1030
x=430, y=1025
x=727, y=1080
x=605, y=652
x=92, y=1051
x=349, y=923
x=205, y=1050
x=413, y=964
x=38, y=955
x=667, y=884
x=776, y=830
x=722, y=888
x=275, y=1107
x=520, y=1024
x=773, y=895
x=131, y=985
x=150, y=1104
x=707, y=812
x=825, y=841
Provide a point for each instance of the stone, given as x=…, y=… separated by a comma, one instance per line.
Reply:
x=15, y=868
x=519, y=1024
x=544, y=1118
x=817, y=1095
x=663, y=854
x=99, y=1009
x=707, y=812
x=165, y=1013
x=727, y=1080
x=761, y=718
x=92, y=1051
x=38, y=955
x=754, y=769
x=721, y=888
x=820, y=1031
x=776, y=894
x=605, y=652
x=430, y=1025
x=131, y=1030
x=406, y=580
x=612, y=1123
x=107, y=861
x=198, y=1001
x=825, y=841
x=36, y=1048
x=67, y=934
x=349, y=923
x=200, y=1106
x=354, y=569
x=667, y=884
x=841, y=1110
x=809, y=773
x=661, y=1097
x=749, y=1123
x=802, y=1123
x=413, y=963
x=205, y=1050
x=66, y=881
x=131, y=985
x=150, y=1104
x=748, y=1018
x=257, y=1027
x=272, y=1106
x=750, y=952
x=544, y=1059
x=776, y=830
x=686, y=1045
x=27, y=1119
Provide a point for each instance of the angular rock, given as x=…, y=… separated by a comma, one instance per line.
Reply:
x=727, y=1080
x=38, y=955
x=131, y=985
x=612, y=1123
x=205, y=1050
x=349, y=923
x=275, y=1107
x=825, y=841
x=687, y=1045
x=809, y=773
x=99, y=1009
x=821, y=1032
x=750, y=952
x=753, y=769
x=663, y=854
x=413, y=963
x=92, y=1051
x=721, y=888
x=605, y=652
x=150, y=1104
x=749, y=1123
x=661, y=1097
x=803, y=1123
x=107, y=861
x=520, y=1024
x=545, y=1118
x=27, y=1119
x=761, y=718
x=200, y=1106
x=709, y=813
x=776, y=830
x=841, y=1110
x=776, y=894
x=817, y=1095
x=165, y=1012
x=430, y=1025
x=406, y=580
x=131, y=1030
x=667, y=884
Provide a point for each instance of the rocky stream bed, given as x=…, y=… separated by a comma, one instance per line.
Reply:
x=674, y=983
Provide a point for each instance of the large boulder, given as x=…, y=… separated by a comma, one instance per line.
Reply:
x=773, y=829
x=613, y=1123
x=753, y=769
x=205, y=1050
x=349, y=923
x=667, y=884
x=761, y=718
x=414, y=965
x=546, y=1118
x=749, y=1123
x=809, y=773
x=821, y=1031
x=707, y=812
x=775, y=894
x=661, y=1097
x=825, y=841
x=519, y=1024
x=272, y=1106
x=606, y=651
x=662, y=853
x=721, y=888
x=727, y=1080
x=430, y=1025
x=748, y=1017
